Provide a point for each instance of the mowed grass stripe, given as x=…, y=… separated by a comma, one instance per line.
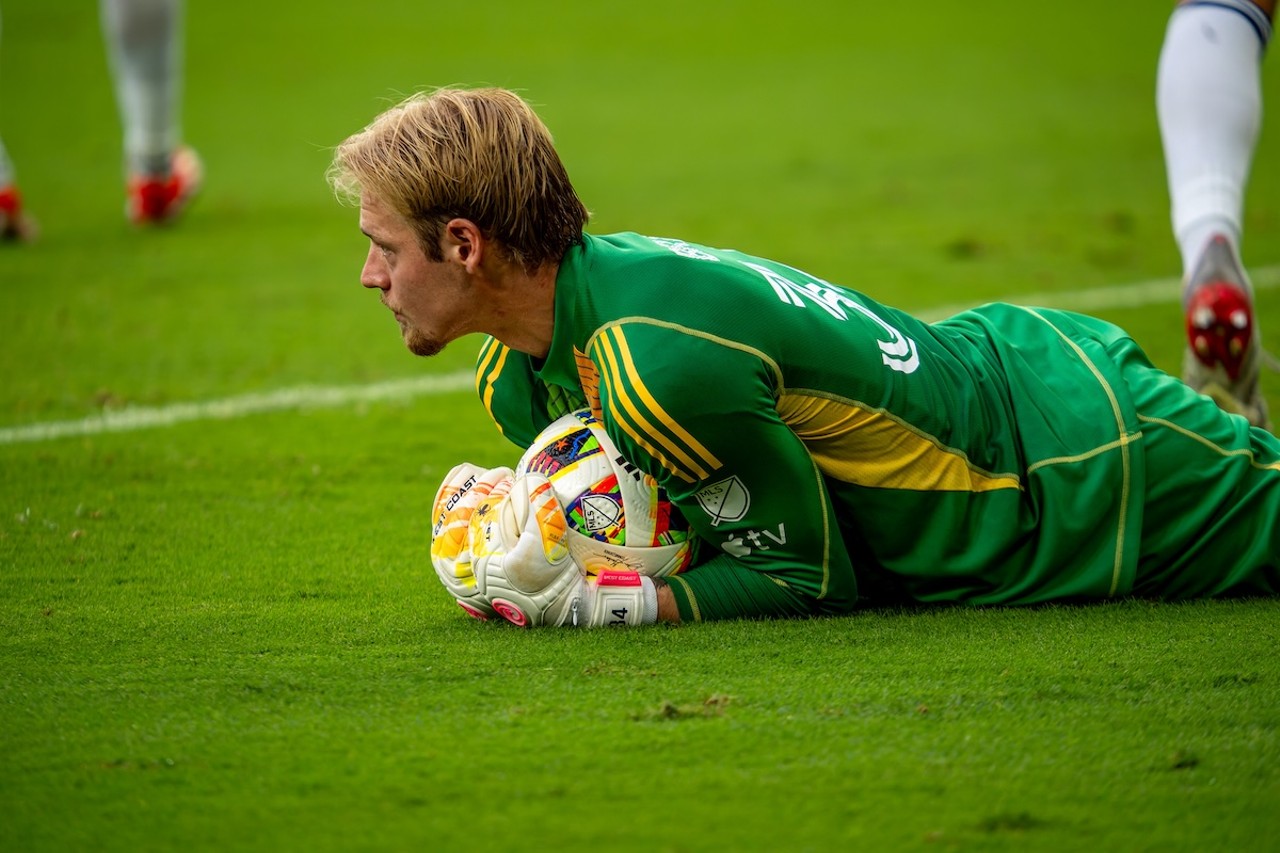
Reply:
x=130, y=419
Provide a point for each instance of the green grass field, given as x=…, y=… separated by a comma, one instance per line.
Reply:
x=218, y=625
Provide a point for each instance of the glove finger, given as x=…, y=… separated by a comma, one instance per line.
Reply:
x=521, y=553
x=533, y=532
x=464, y=489
x=459, y=480
x=465, y=486
x=446, y=542
x=546, y=518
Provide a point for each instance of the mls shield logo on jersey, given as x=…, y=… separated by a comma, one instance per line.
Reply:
x=726, y=500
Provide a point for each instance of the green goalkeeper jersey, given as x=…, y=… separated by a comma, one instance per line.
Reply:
x=829, y=449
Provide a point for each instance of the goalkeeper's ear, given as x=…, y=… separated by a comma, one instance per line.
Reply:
x=464, y=243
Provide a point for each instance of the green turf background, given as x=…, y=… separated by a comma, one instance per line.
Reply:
x=225, y=634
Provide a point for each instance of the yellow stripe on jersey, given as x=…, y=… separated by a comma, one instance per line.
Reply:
x=623, y=409
x=688, y=591
x=680, y=432
x=826, y=534
x=493, y=355
x=1123, y=439
x=1216, y=448
x=695, y=333
x=625, y=386
x=869, y=447
x=489, y=350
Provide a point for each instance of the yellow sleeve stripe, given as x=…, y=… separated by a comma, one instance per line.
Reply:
x=680, y=432
x=858, y=444
x=826, y=532
x=629, y=388
x=700, y=334
x=688, y=591
x=621, y=406
x=490, y=351
x=1123, y=440
x=623, y=381
x=493, y=355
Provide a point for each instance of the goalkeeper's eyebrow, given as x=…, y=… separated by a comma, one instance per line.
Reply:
x=375, y=240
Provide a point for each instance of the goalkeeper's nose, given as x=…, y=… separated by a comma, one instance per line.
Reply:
x=374, y=273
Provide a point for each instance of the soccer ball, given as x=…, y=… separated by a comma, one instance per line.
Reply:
x=619, y=518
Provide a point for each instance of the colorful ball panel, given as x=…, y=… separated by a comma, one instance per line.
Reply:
x=605, y=498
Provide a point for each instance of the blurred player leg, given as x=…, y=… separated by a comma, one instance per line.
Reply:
x=14, y=224
x=1209, y=102
x=144, y=42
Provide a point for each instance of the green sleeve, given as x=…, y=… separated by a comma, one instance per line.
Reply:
x=722, y=588
x=699, y=414
x=519, y=402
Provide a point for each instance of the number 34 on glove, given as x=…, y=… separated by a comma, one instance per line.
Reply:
x=513, y=559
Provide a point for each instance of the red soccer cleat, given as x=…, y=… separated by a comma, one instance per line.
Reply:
x=1223, y=347
x=159, y=199
x=15, y=225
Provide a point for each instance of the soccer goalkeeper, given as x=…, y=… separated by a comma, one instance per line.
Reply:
x=827, y=449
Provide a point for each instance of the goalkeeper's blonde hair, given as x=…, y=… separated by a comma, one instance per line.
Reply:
x=478, y=154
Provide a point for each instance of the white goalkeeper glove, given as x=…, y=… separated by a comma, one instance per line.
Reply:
x=464, y=489
x=521, y=562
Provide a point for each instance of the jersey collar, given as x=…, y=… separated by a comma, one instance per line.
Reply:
x=560, y=366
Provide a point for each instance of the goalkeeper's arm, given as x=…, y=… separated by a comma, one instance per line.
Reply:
x=518, y=566
x=725, y=588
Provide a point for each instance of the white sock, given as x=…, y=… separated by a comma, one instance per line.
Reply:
x=1209, y=103
x=144, y=42
x=6, y=167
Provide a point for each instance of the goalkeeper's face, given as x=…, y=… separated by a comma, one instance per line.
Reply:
x=432, y=300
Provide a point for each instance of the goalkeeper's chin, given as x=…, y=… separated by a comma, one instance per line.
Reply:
x=420, y=344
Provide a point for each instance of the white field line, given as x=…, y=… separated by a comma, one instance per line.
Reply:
x=1135, y=295
x=133, y=418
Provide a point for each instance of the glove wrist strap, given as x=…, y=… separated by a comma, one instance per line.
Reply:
x=650, y=591
x=623, y=598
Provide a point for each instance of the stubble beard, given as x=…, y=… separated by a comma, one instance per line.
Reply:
x=420, y=344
